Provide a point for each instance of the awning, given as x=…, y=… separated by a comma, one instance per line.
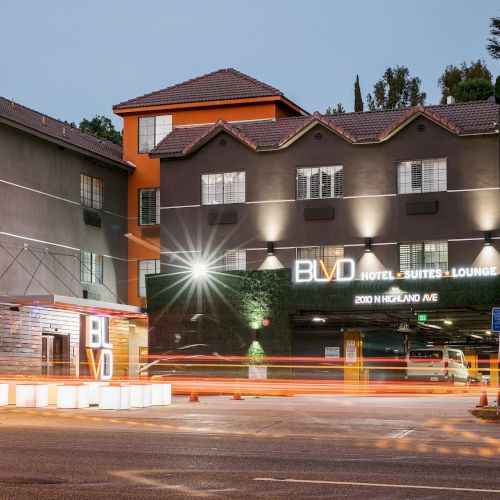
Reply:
x=74, y=304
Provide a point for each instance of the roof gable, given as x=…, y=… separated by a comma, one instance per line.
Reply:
x=357, y=128
x=220, y=85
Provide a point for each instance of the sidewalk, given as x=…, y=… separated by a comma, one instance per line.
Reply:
x=442, y=419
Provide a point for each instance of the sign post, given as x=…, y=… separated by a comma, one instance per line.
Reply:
x=495, y=327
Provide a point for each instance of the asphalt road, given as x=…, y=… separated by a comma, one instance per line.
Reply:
x=272, y=448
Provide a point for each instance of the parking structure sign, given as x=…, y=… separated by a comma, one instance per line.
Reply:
x=495, y=319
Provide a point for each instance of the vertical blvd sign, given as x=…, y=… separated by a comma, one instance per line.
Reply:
x=98, y=348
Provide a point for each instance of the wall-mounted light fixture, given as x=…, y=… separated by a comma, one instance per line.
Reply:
x=270, y=248
x=368, y=244
x=487, y=238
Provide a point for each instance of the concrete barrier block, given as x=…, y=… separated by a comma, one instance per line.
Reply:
x=73, y=396
x=4, y=394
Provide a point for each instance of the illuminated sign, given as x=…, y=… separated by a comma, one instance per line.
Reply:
x=98, y=349
x=344, y=269
x=397, y=298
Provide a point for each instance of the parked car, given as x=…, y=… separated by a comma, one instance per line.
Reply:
x=437, y=364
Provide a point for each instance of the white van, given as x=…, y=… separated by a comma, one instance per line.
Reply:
x=437, y=364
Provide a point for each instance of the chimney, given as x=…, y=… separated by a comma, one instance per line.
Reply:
x=450, y=100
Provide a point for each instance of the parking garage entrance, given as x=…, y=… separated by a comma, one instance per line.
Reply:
x=372, y=345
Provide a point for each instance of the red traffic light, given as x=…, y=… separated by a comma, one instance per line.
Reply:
x=266, y=322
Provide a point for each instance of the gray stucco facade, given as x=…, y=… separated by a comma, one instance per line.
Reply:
x=42, y=221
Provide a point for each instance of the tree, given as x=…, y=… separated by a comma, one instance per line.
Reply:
x=453, y=76
x=339, y=110
x=395, y=90
x=494, y=45
x=358, y=101
x=102, y=127
x=478, y=89
x=497, y=87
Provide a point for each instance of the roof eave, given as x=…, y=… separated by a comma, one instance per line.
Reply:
x=203, y=104
x=124, y=165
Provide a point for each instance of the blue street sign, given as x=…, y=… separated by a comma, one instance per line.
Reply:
x=495, y=319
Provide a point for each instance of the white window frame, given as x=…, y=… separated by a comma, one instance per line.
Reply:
x=329, y=182
x=149, y=216
x=431, y=254
x=422, y=176
x=329, y=254
x=91, y=191
x=145, y=267
x=91, y=267
x=225, y=188
x=151, y=130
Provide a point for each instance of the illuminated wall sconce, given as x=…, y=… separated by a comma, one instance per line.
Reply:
x=270, y=248
x=487, y=238
x=368, y=244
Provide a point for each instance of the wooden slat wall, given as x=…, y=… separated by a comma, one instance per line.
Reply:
x=119, y=338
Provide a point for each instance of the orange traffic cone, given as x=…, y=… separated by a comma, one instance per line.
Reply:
x=237, y=396
x=193, y=397
x=483, y=400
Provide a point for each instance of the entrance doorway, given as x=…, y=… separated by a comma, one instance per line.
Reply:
x=55, y=354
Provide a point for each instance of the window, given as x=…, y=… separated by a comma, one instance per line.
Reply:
x=422, y=176
x=319, y=182
x=91, y=189
x=329, y=254
x=152, y=130
x=149, y=206
x=151, y=266
x=91, y=269
x=231, y=260
x=423, y=255
x=224, y=188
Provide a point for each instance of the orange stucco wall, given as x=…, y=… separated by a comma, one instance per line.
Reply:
x=147, y=172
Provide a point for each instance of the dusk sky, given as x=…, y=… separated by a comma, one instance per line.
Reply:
x=75, y=59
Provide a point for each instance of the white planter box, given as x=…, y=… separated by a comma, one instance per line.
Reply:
x=257, y=372
x=140, y=395
x=32, y=395
x=4, y=394
x=162, y=394
x=94, y=391
x=114, y=397
x=72, y=396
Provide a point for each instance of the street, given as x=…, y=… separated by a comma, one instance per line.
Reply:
x=300, y=447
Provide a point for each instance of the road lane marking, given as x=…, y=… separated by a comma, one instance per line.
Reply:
x=381, y=485
x=402, y=434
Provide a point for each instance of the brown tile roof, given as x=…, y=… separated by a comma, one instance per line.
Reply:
x=220, y=85
x=28, y=119
x=373, y=126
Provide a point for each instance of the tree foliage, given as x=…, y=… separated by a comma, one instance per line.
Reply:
x=396, y=89
x=358, y=101
x=338, y=110
x=494, y=42
x=497, y=87
x=103, y=127
x=478, y=89
x=453, y=76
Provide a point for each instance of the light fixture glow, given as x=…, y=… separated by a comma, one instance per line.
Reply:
x=199, y=270
x=448, y=322
x=488, y=332
x=317, y=319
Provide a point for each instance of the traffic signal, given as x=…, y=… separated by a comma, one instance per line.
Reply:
x=266, y=322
